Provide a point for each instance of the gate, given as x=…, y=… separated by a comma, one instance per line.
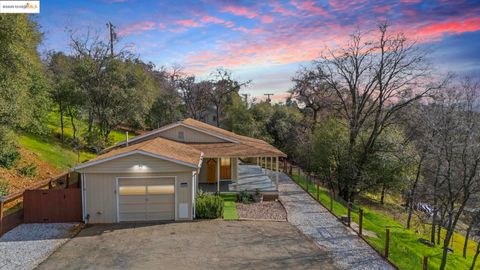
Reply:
x=52, y=205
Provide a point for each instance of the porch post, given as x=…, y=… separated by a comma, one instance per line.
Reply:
x=276, y=173
x=257, y=161
x=271, y=164
x=218, y=175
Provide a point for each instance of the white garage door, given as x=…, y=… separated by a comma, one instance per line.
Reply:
x=142, y=199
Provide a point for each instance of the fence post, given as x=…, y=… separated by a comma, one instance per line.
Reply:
x=387, y=242
x=1, y=216
x=318, y=191
x=67, y=181
x=50, y=184
x=349, y=204
x=360, y=221
x=425, y=263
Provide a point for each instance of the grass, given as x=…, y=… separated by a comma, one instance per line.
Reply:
x=229, y=207
x=406, y=251
x=50, y=149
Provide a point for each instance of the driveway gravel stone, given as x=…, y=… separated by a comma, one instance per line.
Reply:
x=346, y=248
x=272, y=210
x=27, y=245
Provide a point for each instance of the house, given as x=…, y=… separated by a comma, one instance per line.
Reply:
x=155, y=176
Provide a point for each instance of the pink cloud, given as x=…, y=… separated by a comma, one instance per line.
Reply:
x=437, y=30
x=139, y=27
x=266, y=19
x=309, y=6
x=278, y=8
x=188, y=23
x=239, y=11
x=382, y=9
x=216, y=20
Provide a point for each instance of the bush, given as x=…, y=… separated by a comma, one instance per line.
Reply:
x=4, y=187
x=29, y=170
x=8, y=150
x=244, y=197
x=208, y=206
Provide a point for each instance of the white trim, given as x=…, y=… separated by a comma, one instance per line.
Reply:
x=160, y=130
x=194, y=181
x=200, y=161
x=141, y=152
x=83, y=178
x=142, y=177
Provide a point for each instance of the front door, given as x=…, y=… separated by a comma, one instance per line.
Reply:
x=211, y=171
x=225, y=169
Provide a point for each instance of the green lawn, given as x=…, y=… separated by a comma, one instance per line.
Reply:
x=229, y=207
x=405, y=249
x=51, y=150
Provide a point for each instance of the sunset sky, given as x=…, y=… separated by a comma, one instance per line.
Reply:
x=265, y=41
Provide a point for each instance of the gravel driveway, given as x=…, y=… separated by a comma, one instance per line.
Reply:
x=311, y=218
x=27, y=245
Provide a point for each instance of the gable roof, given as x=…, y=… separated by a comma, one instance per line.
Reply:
x=234, y=146
x=157, y=147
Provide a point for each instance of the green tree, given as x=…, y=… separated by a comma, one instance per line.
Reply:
x=23, y=87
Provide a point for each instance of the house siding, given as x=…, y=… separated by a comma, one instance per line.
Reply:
x=190, y=135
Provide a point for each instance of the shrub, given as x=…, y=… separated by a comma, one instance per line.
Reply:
x=29, y=170
x=8, y=150
x=208, y=206
x=244, y=197
x=4, y=187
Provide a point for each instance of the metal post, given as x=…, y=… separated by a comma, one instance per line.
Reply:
x=318, y=191
x=425, y=263
x=218, y=175
x=349, y=213
x=276, y=173
x=360, y=221
x=387, y=242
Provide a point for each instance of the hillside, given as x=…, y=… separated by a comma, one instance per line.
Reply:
x=49, y=156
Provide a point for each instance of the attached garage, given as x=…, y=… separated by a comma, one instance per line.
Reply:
x=146, y=198
x=149, y=181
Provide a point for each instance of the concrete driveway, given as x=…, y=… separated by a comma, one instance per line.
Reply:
x=191, y=245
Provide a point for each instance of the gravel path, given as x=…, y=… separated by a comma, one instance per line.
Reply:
x=265, y=210
x=347, y=249
x=27, y=245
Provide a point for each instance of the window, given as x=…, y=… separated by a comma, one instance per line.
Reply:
x=224, y=162
x=181, y=135
x=161, y=189
x=132, y=190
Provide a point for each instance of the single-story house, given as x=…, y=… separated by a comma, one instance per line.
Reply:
x=155, y=176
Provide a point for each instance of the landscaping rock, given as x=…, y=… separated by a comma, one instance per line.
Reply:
x=272, y=210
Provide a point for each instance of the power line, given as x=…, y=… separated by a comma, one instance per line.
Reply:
x=268, y=97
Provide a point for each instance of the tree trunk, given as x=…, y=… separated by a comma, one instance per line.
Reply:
x=411, y=198
x=74, y=128
x=440, y=225
x=434, y=220
x=382, y=196
x=475, y=257
x=62, y=136
x=465, y=244
x=218, y=115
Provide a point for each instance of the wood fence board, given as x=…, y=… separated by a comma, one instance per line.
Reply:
x=53, y=205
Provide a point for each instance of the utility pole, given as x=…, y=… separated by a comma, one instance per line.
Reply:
x=113, y=35
x=268, y=97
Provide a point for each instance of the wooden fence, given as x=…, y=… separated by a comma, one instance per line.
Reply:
x=52, y=205
x=12, y=208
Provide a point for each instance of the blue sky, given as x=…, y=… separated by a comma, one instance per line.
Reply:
x=264, y=41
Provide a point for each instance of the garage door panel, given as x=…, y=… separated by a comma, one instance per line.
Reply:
x=143, y=199
x=161, y=199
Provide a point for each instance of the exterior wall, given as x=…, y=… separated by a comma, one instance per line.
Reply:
x=129, y=164
x=190, y=135
x=101, y=200
x=203, y=177
x=100, y=184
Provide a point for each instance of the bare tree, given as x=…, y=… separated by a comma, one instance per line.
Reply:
x=311, y=92
x=372, y=80
x=457, y=155
x=222, y=86
x=196, y=95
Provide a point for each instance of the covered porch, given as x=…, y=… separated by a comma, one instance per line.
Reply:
x=249, y=177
